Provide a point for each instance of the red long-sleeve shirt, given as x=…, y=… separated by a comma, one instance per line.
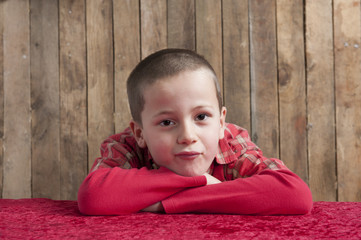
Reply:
x=126, y=180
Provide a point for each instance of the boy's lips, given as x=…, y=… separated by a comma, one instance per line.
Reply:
x=185, y=155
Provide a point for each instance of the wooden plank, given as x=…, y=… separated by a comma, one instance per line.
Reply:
x=181, y=24
x=127, y=55
x=153, y=26
x=17, y=128
x=263, y=62
x=236, y=62
x=73, y=95
x=347, y=37
x=45, y=99
x=209, y=33
x=100, y=75
x=1, y=95
x=320, y=100
x=292, y=87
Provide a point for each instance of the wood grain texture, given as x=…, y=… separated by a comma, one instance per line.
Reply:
x=126, y=56
x=209, y=34
x=45, y=99
x=291, y=86
x=236, y=78
x=181, y=24
x=73, y=97
x=100, y=75
x=153, y=26
x=347, y=44
x=320, y=100
x=263, y=66
x=17, y=121
x=1, y=95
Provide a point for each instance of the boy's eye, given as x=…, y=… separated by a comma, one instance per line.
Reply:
x=166, y=123
x=202, y=117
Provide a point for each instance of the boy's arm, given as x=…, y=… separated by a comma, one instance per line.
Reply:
x=270, y=192
x=114, y=191
x=119, y=183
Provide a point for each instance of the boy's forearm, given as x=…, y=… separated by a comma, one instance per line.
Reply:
x=271, y=192
x=121, y=191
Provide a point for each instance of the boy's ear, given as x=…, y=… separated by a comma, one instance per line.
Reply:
x=138, y=133
x=222, y=122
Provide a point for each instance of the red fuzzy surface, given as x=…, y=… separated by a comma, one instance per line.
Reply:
x=50, y=219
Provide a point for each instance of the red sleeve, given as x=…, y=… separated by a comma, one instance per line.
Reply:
x=268, y=193
x=113, y=191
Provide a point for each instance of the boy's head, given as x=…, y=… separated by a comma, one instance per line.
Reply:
x=177, y=110
x=159, y=65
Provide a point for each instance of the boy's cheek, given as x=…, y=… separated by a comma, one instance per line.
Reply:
x=160, y=152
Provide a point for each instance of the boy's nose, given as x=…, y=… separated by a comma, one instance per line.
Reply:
x=187, y=135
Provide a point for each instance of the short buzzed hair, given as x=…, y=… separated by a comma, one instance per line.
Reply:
x=159, y=65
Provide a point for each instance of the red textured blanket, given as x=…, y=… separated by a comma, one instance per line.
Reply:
x=49, y=219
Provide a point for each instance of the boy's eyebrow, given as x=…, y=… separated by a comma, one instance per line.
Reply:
x=204, y=106
x=166, y=112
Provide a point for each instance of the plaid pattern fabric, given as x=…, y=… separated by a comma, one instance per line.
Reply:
x=237, y=154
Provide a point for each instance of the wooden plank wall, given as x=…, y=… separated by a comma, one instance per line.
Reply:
x=290, y=73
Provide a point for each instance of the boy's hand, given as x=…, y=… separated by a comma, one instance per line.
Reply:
x=156, y=207
x=211, y=179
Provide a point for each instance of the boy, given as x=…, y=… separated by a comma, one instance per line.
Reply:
x=179, y=155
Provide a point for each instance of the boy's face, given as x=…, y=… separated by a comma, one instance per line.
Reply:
x=181, y=122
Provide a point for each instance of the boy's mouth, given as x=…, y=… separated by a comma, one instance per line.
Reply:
x=185, y=155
